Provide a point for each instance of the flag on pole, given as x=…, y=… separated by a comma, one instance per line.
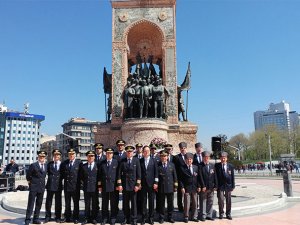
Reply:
x=186, y=85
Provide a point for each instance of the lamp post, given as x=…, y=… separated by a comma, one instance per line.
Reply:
x=270, y=152
x=238, y=151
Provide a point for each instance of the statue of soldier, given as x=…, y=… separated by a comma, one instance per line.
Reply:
x=181, y=109
x=129, y=94
x=158, y=98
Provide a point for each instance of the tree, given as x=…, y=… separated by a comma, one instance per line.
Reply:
x=241, y=142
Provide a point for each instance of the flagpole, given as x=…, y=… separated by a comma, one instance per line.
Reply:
x=187, y=103
x=105, y=107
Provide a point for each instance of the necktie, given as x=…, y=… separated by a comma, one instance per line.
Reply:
x=199, y=158
x=191, y=169
x=90, y=167
x=207, y=167
x=129, y=162
x=42, y=167
x=224, y=171
x=108, y=163
x=165, y=166
x=55, y=166
x=146, y=163
x=71, y=162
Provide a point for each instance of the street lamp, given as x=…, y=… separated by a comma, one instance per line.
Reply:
x=238, y=151
x=270, y=152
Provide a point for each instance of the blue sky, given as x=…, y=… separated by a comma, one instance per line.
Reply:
x=244, y=55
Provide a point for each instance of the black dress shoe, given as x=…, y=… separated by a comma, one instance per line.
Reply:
x=161, y=221
x=171, y=220
x=151, y=221
x=84, y=222
x=26, y=222
x=76, y=221
x=57, y=220
x=195, y=220
x=221, y=217
x=229, y=217
x=104, y=222
x=186, y=220
x=36, y=222
x=65, y=220
x=94, y=221
x=47, y=219
x=202, y=219
x=210, y=218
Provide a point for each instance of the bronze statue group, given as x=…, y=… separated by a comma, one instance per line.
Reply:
x=146, y=178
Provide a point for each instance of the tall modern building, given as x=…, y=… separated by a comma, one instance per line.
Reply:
x=19, y=136
x=80, y=129
x=278, y=114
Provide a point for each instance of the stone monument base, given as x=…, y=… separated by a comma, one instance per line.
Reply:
x=144, y=130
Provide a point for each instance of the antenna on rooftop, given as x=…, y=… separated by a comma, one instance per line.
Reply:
x=26, y=108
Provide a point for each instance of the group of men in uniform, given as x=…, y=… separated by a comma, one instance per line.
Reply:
x=141, y=174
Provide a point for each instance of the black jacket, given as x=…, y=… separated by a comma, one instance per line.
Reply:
x=89, y=178
x=108, y=176
x=167, y=178
x=36, y=177
x=226, y=180
x=71, y=175
x=190, y=182
x=54, y=181
x=149, y=175
x=209, y=177
x=129, y=175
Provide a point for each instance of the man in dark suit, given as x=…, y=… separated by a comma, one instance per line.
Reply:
x=100, y=156
x=190, y=186
x=12, y=167
x=167, y=184
x=169, y=149
x=129, y=181
x=120, y=153
x=70, y=174
x=139, y=155
x=36, y=180
x=89, y=175
x=209, y=185
x=149, y=183
x=108, y=182
x=54, y=186
x=226, y=184
x=179, y=161
x=198, y=155
x=139, y=150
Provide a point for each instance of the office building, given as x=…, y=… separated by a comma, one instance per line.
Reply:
x=279, y=115
x=80, y=129
x=19, y=136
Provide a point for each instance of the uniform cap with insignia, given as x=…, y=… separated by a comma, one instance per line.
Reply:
x=206, y=153
x=153, y=146
x=42, y=153
x=168, y=146
x=109, y=150
x=98, y=145
x=188, y=156
x=56, y=152
x=138, y=145
x=223, y=154
x=71, y=151
x=120, y=142
x=90, y=153
x=164, y=153
x=129, y=148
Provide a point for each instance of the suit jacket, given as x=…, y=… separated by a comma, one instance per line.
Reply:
x=89, y=178
x=118, y=157
x=150, y=174
x=54, y=181
x=209, y=177
x=179, y=163
x=226, y=179
x=167, y=178
x=99, y=160
x=129, y=175
x=71, y=175
x=36, y=177
x=190, y=182
x=108, y=175
x=195, y=160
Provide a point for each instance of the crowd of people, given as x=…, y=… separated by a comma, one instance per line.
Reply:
x=145, y=177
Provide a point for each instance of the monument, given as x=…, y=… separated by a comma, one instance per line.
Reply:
x=143, y=99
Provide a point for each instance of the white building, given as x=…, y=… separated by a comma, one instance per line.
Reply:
x=19, y=136
x=278, y=114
